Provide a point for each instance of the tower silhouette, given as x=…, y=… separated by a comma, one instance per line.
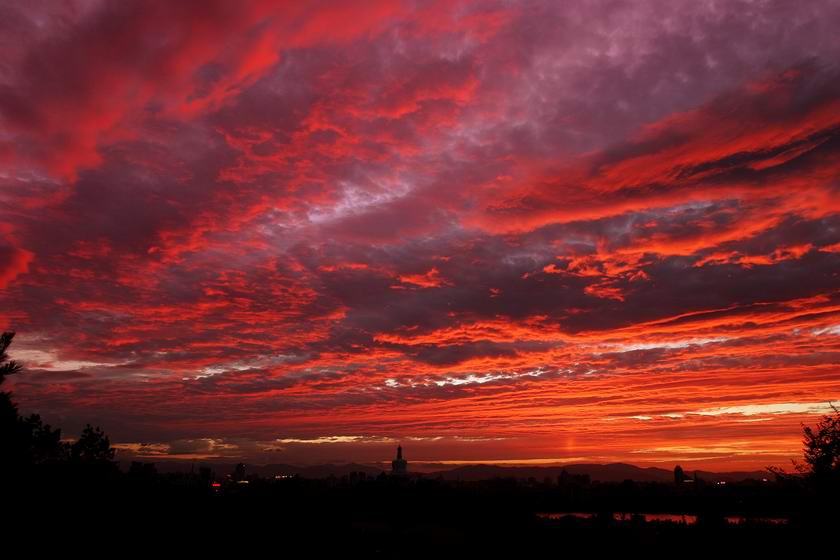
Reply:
x=399, y=466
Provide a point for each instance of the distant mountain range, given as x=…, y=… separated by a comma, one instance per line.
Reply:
x=613, y=472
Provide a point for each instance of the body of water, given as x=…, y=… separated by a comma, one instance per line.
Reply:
x=666, y=517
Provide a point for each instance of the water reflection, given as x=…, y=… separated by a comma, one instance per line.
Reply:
x=771, y=520
x=684, y=519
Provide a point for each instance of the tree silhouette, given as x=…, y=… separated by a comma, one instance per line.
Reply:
x=93, y=446
x=27, y=443
x=8, y=411
x=821, y=452
x=7, y=366
x=822, y=447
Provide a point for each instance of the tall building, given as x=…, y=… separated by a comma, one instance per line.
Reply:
x=399, y=466
x=679, y=475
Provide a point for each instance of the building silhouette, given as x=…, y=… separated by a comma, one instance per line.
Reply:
x=239, y=474
x=679, y=475
x=399, y=466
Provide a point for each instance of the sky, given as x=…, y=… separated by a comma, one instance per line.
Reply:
x=513, y=232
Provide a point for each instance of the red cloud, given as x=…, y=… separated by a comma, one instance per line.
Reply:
x=88, y=85
x=699, y=155
x=430, y=279
x=13, y=262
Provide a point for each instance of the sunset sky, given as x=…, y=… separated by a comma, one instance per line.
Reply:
x=531, y=232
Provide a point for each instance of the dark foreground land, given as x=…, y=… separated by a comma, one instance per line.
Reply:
x=390, y=516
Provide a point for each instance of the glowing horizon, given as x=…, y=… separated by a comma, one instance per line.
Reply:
x=496, y=232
